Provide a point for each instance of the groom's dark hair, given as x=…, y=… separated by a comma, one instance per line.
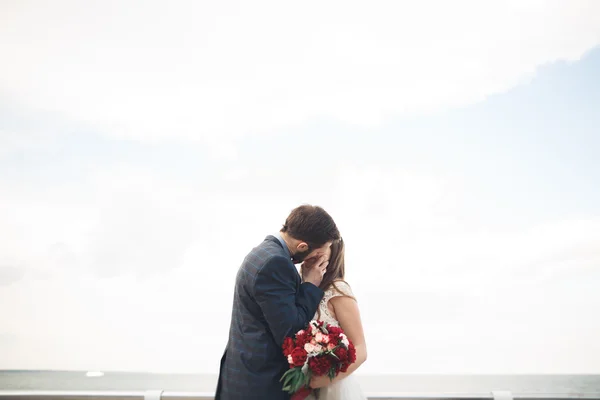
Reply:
x=312, y=225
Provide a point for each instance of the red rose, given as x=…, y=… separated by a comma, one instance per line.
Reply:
x=334, y=330
x=319, y=365
x=351, y=354
x=301, y=394
x=288, y=346
x=334, y=338
x=298, y=356
x=341, y=353
x=302, y=339
x=344, y=367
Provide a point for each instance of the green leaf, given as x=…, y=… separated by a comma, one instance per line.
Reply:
x=331, y=374
x=289, y=373
x=294, y=379
x=298, y=381
x=285, y=375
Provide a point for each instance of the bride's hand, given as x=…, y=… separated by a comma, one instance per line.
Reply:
x=319, y=381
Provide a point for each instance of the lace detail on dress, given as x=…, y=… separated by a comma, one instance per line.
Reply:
x=343, y=289
x=347, y=388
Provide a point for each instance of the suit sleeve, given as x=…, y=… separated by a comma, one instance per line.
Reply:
x=285, y=309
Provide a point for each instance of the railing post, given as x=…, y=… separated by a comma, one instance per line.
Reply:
x=153, y=394
x=502, y=395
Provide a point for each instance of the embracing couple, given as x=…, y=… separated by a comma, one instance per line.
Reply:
x=273, y=301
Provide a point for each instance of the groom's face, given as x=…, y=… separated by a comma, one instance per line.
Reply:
x=310, y=252
x=300, y=256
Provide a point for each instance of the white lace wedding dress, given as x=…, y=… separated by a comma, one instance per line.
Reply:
x=347, y=388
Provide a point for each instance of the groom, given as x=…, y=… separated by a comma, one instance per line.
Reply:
x=271, y=302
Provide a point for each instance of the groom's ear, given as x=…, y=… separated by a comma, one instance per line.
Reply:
x=302, y=246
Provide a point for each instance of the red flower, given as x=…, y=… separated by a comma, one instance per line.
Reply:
x=301, y=394
x=334, y=338
x=298, y=356
x=344, y=367
x=288, y=346
x=341, y=353
x=302, y=339
x=323, y=364
x=351, y=353
x=319, y=365
x=335, y=330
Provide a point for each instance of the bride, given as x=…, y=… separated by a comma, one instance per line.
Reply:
x=339, y=308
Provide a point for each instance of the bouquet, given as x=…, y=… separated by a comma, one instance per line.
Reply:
x=320, y=349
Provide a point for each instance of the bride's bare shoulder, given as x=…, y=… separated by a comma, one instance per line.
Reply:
x=342, y=287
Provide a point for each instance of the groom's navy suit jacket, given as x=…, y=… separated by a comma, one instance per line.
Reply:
x=269, y=303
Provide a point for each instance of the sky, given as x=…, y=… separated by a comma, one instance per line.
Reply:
x=145, y=149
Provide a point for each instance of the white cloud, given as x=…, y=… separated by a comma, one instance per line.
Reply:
x=443, y=286
x=414, y=225
x=138, y=262
x=200, y=70
x=127, y=219
x=11, y=141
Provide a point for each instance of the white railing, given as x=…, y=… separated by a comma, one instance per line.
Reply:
x=160, y=395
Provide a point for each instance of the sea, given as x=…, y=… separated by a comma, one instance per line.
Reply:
x=371, y=384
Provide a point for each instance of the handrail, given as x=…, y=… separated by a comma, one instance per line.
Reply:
x=171, y=395
x=131, y=395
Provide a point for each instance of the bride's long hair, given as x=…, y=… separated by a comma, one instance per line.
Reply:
x=336, y=270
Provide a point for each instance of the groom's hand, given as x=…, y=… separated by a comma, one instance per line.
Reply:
x=313, y=269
